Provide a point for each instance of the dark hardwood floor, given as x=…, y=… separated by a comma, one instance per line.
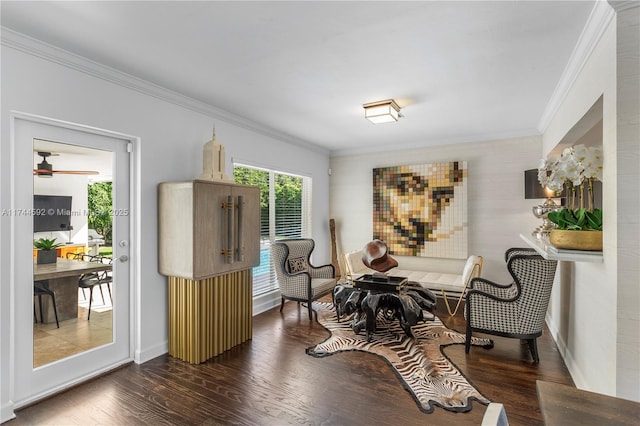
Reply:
x=271, y=381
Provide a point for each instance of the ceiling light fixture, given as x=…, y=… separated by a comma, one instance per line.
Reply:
x=382, y=111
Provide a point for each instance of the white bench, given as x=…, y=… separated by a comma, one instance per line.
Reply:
x=443, y=283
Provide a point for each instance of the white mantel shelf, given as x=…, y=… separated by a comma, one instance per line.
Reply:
x=547, y=251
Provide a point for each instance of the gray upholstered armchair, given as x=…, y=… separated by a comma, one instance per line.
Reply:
x=513, y=310
x=297, y=278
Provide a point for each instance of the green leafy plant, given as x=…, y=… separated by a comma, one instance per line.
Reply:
x=577, y=219
x=46, y=244
x=99, y=200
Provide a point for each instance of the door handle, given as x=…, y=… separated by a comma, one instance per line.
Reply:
x=239, y=230
x=123, y=258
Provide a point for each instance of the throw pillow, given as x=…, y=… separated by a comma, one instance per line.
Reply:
x=298, y=264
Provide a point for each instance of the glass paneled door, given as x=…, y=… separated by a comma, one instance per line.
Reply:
x=56, y=165
x=72, y=208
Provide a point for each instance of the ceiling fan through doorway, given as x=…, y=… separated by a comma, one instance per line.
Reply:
x=45, y=169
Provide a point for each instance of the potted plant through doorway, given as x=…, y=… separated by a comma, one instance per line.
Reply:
x=46, y=250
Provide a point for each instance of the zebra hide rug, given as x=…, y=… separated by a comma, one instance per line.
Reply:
x=419, y=362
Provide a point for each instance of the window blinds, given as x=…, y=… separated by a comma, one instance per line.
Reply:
x=285, y=212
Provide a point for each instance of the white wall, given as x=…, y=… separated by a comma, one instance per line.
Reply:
x=628, y=191
x=171, y=140
x=583, y=298
x=594, y=308
x=497, y=210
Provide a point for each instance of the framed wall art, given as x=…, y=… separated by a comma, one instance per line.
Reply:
x=421, y=210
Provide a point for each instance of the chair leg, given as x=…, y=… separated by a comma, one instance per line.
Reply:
x=101, y=293
x=467, y=340
x=35, y=318
x=109, y=288
x=282, y=304
x=55, y=309
x=90, y=300
x=310, y=310
x=533, y=347
x=40, y=304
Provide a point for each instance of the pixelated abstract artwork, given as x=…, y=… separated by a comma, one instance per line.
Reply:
x=421, y=210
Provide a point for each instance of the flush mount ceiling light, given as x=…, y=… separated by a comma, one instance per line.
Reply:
x=382, y=111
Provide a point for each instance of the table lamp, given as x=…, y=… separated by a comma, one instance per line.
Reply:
x=533, y=190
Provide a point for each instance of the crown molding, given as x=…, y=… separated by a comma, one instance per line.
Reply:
x=51, y=53
x=599, y=19
x=621, y=5
x=438, y=143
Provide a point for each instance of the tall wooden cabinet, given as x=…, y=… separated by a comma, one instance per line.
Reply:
x=208, y=241
x=207, y=228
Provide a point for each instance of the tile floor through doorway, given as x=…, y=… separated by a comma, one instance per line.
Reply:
x=74, y=335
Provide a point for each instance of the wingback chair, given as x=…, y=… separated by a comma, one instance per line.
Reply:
x=512, y=310
x=297, y=278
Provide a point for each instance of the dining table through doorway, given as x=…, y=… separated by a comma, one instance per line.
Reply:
x=63, y=277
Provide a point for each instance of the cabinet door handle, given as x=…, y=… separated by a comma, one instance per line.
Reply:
x=230, y=244
x=239, y=239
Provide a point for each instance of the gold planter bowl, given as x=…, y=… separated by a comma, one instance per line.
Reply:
x=576, y=240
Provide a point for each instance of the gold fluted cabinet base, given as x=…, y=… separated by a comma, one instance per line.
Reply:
x=209, y=316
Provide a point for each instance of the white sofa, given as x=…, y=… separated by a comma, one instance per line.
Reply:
x=438, y=282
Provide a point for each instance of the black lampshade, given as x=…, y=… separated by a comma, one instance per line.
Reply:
x=532, y=187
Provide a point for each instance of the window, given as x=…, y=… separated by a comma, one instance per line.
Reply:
x=285, y=212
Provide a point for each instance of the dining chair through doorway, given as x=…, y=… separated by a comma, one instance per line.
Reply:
x=41, y=288
x=93, y=279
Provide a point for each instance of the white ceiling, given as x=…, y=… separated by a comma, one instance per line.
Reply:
x=461, y=71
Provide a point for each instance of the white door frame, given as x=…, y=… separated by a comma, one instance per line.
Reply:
x=134, y=250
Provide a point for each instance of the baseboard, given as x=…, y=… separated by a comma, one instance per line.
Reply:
x=6, y=412
x=68, y=385
x=155, y=351
x=261, y=304
x=266, y=301
x=565, y=353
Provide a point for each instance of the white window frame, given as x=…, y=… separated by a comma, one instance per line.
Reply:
x=260, y=285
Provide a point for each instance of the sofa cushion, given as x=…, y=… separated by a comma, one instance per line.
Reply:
x=432, y=280
x=453, y=283
x=322, y=285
